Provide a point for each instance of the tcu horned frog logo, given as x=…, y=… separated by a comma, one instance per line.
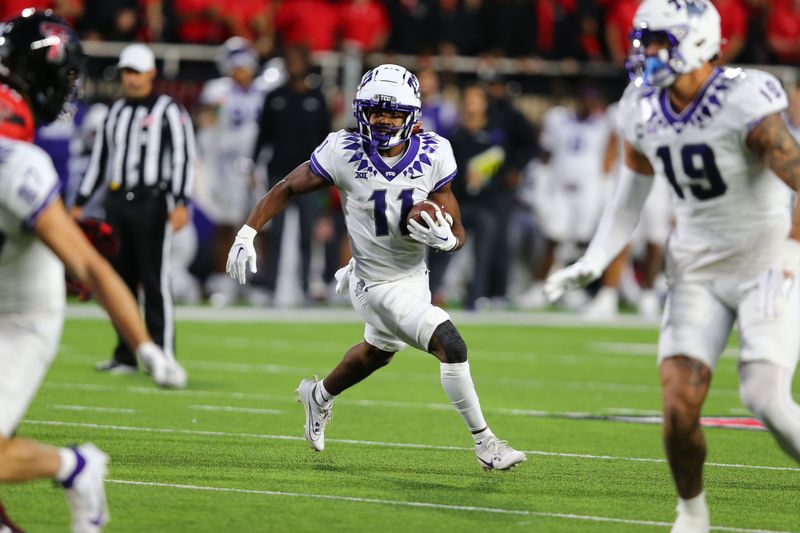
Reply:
x=54, y=36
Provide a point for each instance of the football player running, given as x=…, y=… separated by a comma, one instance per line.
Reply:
x=381, y=171
x=717, y=136
x=41, y=61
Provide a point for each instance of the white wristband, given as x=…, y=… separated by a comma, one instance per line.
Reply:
x=247, y=232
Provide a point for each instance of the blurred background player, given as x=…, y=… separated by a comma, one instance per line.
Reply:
x=227, y=131
x=41, y=65
x=381, y=172
x=718, y=137
x=144, y=159
x=574, y=144
x=482, y=155
x=294, y=120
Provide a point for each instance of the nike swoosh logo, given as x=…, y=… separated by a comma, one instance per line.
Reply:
x=490, y=464
x=441, y=238
x=415, y=177
x=238, y=254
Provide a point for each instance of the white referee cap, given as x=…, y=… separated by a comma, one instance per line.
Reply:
x=137, y=57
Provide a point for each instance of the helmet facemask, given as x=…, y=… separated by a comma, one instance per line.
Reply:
x=655, y=70
x=379, y=137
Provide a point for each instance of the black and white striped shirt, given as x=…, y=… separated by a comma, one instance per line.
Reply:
x=145, y=144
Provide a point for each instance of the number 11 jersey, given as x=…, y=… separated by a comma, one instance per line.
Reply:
x=730, y=209
x=377, y=196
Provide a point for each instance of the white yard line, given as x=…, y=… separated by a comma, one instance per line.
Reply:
x=346, y=315
x=643, y=349
x=232, y=409
x=291, y=399
x=259, y=436
x=61, y=407
x=424, y=505
x=432, y=377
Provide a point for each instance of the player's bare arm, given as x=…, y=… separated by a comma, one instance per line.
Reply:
x=299, y=181
x=60, y=233
x=637, y=161
x=445, y=197
x=242, y=254
x=774, y=142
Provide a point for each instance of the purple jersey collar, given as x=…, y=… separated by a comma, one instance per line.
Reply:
x=392, y=172
x=685, y=115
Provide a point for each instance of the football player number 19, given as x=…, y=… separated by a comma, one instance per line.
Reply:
x=699, y=166
x=406, y=198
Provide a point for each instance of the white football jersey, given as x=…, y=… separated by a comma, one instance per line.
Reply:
x=730, y=212
x=31, y=276
x=238, y=113
x=577, y=147
x=377, y=196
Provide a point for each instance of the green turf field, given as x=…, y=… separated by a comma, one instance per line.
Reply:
x=227, y=454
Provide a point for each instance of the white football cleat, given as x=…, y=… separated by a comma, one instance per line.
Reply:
x=648, y=305
x=604, y=306
x=496, y=454
x=85, y=492
x=533, y=298
x=317, y=417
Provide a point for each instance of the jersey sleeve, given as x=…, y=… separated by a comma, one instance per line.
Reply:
x=29, y=183
x=323, y=159
x=629, y=117
x=757, y=96
x=445, y=168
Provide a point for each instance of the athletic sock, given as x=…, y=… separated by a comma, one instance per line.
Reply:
x=71, y=464
x=457, y=384
x=480, y=436
x=695, y=507
x=322, y=396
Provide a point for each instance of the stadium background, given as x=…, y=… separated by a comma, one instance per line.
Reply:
x=535, y=53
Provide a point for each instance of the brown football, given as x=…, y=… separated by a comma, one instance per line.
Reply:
x=428, y=206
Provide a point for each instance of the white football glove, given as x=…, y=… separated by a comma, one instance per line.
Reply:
x=775, y=285
x=437, y=235
x=242, y=254
x=575, y=276
x=773, y=289
x=164, y=370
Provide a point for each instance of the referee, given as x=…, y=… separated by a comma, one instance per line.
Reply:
x=142, y=158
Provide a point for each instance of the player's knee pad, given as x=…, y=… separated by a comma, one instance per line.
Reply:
x=450, y=342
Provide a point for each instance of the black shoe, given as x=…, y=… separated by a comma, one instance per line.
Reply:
x=114, y=367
